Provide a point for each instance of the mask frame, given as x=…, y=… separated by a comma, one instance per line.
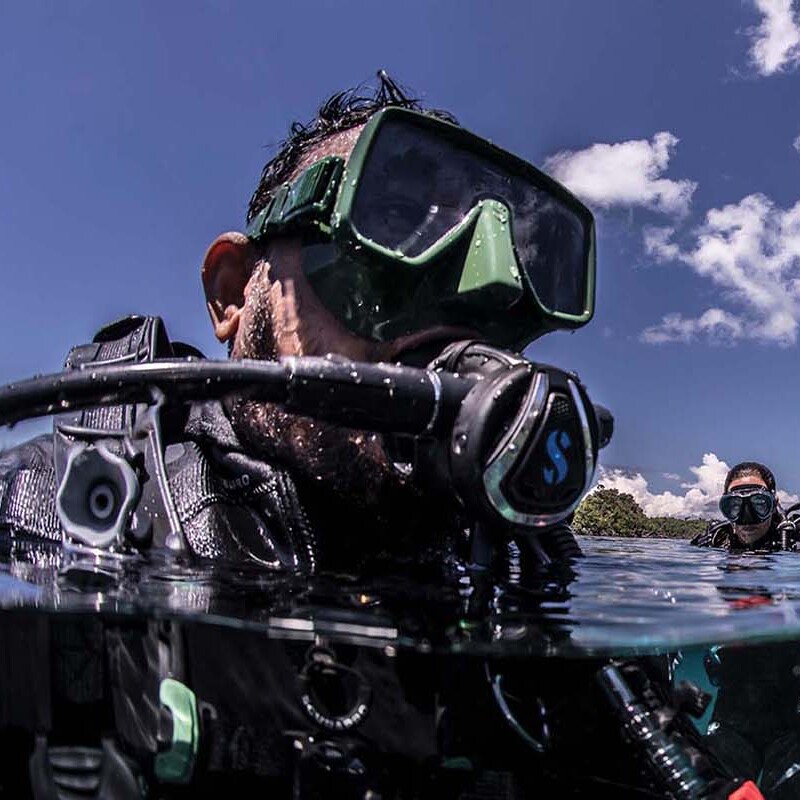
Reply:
x=319, y=205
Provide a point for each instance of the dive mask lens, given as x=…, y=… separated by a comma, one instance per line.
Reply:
x=731, y=506
x=419, y=187
x=762, y=504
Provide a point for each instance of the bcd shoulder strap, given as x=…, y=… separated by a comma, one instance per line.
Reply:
x=130, y=340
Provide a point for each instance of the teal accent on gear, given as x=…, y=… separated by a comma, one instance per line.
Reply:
x=176, y=765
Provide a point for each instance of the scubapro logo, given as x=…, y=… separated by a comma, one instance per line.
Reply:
x=557, y=442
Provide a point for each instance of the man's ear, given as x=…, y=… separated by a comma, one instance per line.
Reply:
x=226, y=269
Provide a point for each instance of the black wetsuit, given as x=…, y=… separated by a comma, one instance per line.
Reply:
x=231, y=506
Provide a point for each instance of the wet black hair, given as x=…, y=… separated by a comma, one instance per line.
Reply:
x=340, y=112
x=746, y=468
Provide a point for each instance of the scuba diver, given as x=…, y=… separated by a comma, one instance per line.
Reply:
x=375, y=416
x=378, y=234
x=755, y=714
x=754, y=519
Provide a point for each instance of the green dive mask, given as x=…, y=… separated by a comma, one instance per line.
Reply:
x=427, y=224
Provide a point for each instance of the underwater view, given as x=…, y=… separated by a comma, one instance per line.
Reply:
x=417, y=669
x=399, y=401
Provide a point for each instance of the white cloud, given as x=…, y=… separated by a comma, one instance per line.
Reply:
x=796, y=144
x=625, y=174
x=787, y=499
x=700, y=498
x=751, y=251
x=715, y=325
x=776, y=41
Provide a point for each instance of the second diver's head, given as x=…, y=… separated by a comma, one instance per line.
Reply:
x=749, y=501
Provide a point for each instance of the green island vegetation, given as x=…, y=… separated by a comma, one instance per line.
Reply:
x=609, y=512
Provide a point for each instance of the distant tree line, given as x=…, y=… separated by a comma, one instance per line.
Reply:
x=609, y=512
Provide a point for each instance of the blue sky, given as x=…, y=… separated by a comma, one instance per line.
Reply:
x=133, y=133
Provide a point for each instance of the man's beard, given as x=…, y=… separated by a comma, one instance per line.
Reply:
x=750, y=534
x=350, y=463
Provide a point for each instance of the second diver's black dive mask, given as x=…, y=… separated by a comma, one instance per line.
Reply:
x=750, y=504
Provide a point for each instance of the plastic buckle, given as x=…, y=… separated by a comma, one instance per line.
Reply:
x=176, y=765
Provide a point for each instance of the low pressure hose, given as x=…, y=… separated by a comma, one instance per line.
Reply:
x=667, y=759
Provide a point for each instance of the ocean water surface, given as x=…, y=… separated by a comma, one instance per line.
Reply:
x=627, y=596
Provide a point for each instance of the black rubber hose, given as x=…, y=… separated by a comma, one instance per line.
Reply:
x=379, y=397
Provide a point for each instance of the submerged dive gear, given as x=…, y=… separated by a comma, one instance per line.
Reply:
x=747, y=505
x=334, y=701
x=427, y=224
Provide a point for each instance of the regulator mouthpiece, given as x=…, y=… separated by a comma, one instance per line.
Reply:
x=524, y=446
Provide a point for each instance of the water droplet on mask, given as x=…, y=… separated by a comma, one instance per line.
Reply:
x=459, y=443
x=433, y=210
